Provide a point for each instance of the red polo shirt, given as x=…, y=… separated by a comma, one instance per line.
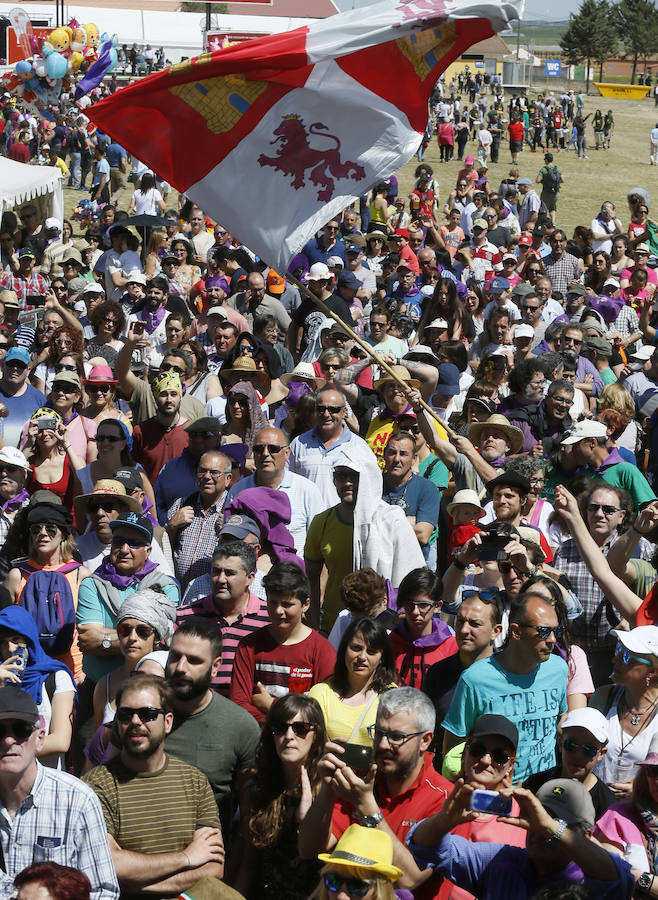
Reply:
x=425, y=797
x=154, y=445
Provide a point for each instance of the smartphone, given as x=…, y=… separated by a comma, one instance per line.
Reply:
x=46, y=423
x=491, y=802
x=138, y=327
x=357, y=756
x=21, y=657
x=35, y=300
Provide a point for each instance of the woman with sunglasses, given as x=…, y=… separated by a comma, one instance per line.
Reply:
x=376, y=247
x=66, y=399
x=63, y=340
x=187, y=273
x=532, y=269
x=598, y=273
x=145, y=623
x=114, y=442
x=360, y=867
x=100, y=388
x=364, y=670
x=244, y=418
x=281, y=787
x=52, y=456
x=43, y=532
x=49, y=682
x=108, y=321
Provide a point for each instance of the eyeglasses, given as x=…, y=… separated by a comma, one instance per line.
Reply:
x=102, y=388
x=214, y=473
x=168, y=367
x=50, y=529
x=110, y=438
x=62, y=367
x=105, y=505
x=142, y=631
x=499, y=757
x=332, y=228
x=133, y=543
x=124, y=714
x=64, y=389
x=533, y=308
x=627, y=656
x=110, y=320
x=423, y=606
x=299, y=729
x=355, y=887
x=10, y=470
x=562, y=401
x=272, y=449
x=334, y=410
x=18, y=729
x=605, y=509
x=395, y=738
x=571, y=746
x=569, y=340
x=544, y=631
x=334, y=367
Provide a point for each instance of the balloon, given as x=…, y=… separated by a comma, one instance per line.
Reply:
x=56, y=64
x=75, y=59
x=93, y=36
x=78, y=41
x=60, y=39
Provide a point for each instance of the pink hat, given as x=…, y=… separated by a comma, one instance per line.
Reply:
x=469, y=160
x=100, y=375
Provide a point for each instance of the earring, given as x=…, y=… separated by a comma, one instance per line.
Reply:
x=648, y=680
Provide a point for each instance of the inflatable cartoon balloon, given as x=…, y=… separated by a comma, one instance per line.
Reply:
x=75, y=61
x=56, y=65
x=79, y=40
x=59, y=39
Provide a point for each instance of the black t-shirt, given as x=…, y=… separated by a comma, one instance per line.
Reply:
x=310, y=317
x=499, y=236
x=439, y=685
x=602, y=796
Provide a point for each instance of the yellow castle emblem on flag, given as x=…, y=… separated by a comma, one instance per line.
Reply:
x=425, y=49
x=220, y=101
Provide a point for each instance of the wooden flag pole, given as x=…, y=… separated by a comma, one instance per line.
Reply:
x=368, y=349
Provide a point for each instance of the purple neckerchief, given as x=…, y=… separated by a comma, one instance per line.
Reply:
x=73, y=416
x=391, y=596
x=439, y=634
x=613, y=459
x=386, y=413
x=14, y=502
x=153, y=319
x=560, y=651
x=107, y=572
x=271, y=509
x=146, y=506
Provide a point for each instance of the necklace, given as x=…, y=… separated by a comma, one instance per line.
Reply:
x=636, y=717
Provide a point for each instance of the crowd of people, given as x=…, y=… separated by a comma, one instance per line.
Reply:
x=349, y=605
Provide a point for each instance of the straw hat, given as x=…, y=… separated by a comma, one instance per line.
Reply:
x=466, y=497
x=244, y=366
x=364, y=848
x=515, y=435
x=107, y=488
x=403, y=373
x=303, y=371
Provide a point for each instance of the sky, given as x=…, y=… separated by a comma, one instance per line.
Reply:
x=534, y=9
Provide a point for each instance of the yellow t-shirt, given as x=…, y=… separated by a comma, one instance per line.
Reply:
x=341, y=719
x=329, y=540
x=380, y=430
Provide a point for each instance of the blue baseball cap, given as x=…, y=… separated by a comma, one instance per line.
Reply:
x=498, y=285
x=448, y=379
x=353, y=248
x=349, y=280
x=19, y=353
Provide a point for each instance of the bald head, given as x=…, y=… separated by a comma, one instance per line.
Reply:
x=271, y=454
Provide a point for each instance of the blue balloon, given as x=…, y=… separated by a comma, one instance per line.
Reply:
x=56, y=65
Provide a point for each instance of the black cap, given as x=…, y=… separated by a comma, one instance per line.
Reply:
x=130, y=479
x=209, y=424
x=492, y=724
x=510, y=479
x=131, y=520
x=17, y=704
x=53, y=513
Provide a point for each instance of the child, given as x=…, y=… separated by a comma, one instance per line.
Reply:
x=464, y=511
x=130, y=259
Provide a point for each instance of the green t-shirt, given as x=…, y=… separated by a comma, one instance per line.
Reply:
x=329, y=540
x=543, y=172
x=632, y=480
x=607, y=376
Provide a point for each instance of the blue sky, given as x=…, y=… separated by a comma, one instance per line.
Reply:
x=534, y=9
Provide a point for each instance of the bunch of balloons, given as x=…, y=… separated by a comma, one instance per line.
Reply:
x=87, y=212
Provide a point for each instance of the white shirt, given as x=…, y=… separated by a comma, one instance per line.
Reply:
x=654, y=131
x=609, y=227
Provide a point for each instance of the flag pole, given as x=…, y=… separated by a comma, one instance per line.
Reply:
x=368, y=349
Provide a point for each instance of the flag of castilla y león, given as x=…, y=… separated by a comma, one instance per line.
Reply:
x=273, y=136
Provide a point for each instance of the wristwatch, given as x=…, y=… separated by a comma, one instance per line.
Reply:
x=106, y=642
x=371, y=821
x=644, y=883
x=561, y=828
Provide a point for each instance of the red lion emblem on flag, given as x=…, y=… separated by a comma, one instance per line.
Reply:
x=295, y=156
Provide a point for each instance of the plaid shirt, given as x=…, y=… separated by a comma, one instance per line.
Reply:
x=35, y=285
x=562, y=271
x=60, y=821
x=194, y=545
x=599, y=617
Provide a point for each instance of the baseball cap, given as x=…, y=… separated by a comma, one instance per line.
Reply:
x=349, y=280
x=319, y=271
x=575, y=287
x=52, y=224
x=521, y=289
x=588, y=428
x=353, y=248
x=525, y=240
x=643, y=639
x=521, y=331
x=590, y=719
x=336, y=261
x=469, y=160
x=276, y=284
x=568, y=799
x=19, y=353
x=131, y=520
x=498, y=725
x=540, y=230
x=16, y=703
x=498, y=285
x=25, y=252
x=13, y=457
x=69, y=378
x=72, y=255
x=239, y=526
x=401, y=232
x=642, y=353
x=130, y=479
x=437, y=323
x=92, y=287
x=479, y=223
x=217, y=311
x=136, y=278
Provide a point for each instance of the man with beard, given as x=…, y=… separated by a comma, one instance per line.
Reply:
x=161, y=438
x=154, y=312
x=209, y=731
x=144, y=790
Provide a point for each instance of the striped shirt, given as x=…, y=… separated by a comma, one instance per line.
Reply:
x=60, y=821
x=254, y=617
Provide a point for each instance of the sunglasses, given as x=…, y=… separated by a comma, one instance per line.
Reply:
x=605, y=509
x=246, y=348
x=627, y=656
x=102, y=388
x=334, y=410
x=167, y=367
x=61, y=367
x=64, y=389
x=355, y=887
x=110, y=438
x=498, y=756
x=299, y=729
x=544, y=631
x=571, y=746
x=272, y=449
x=10, y=470
x=505, y=567
x=395, y=738
x=105, y=505
x=241, y=401
x=51, y=530
x=16, y=728
x=423, y=606
x=142, y=631
x=133, y=543
x=124, y=714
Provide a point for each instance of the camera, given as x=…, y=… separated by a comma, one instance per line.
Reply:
x=495, y=537
x=46, y=423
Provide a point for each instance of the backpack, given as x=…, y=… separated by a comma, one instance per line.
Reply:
x=48, y=599
x=552, y=179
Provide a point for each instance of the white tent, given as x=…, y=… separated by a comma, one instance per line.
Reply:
x=20, y=183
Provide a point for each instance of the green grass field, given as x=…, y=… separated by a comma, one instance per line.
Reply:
x=542, y=35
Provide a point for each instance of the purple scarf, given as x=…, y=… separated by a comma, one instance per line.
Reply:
x=107, y=572
x=153, y=319
x=14, y=502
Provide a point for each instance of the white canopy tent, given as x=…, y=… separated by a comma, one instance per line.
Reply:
x=42, y=185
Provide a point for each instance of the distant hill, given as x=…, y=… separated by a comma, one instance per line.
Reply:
x=542, y=34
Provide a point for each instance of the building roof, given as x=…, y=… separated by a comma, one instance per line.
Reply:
x=318, y=9
x=493, y=46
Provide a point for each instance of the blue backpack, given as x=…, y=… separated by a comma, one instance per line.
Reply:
x=48, y=599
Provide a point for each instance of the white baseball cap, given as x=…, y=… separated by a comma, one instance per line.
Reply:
x=523, y=330
x=13, y=457
x=437, y=323
x=644, y=353
x=588, y=428
x=51, y=224
x=217, y=311
x=591, y=720
x=643, y=639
